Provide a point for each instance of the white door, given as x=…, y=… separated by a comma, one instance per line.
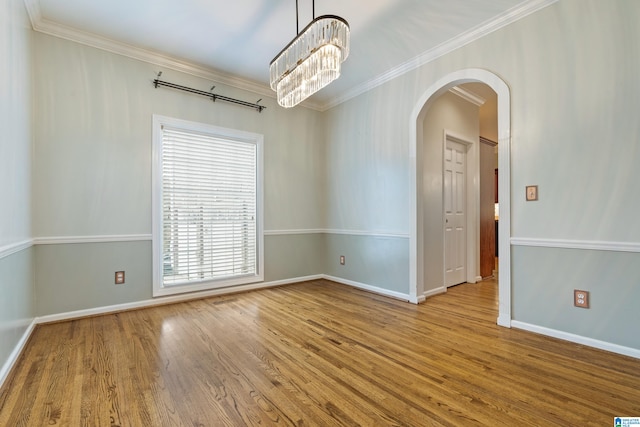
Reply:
x=455, y=218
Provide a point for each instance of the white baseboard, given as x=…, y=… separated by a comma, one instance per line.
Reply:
x=214, y=292
x=433, y=292
x=578, y=339
x=168, y=300
x=419, y=300
x=374, y=289
x=15, y=354
x=504, y=321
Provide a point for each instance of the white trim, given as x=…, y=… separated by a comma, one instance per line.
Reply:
x=291, y=232
x=54, y=29
x=91, y=239
x=419, y=300
x=335, y=231
x=579, y=339
x=504, y=319
x=512, y=15
x=374, y=289
x=34, y=12
x=434, y=292
x=597, y=245
x=168, y=300
x=17, y=351
x=59, y=240
x=158, y=123
x=15, y=354
x=369, y=233
x=16, y=247
x=93, y=40
x=146, y=55
x=468, y=96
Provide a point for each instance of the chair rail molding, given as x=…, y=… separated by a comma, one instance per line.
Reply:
x=597, y=245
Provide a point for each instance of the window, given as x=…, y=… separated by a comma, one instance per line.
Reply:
x=207, y=207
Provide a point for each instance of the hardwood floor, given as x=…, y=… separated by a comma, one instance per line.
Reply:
x=316, y=353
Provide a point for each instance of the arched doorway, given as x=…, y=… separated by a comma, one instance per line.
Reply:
x=416, y=240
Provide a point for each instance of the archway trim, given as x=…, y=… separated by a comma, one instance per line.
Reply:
x=416, y=241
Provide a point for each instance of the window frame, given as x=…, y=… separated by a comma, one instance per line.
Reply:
x=159, y=289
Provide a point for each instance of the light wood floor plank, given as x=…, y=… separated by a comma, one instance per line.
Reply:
x=314, y=354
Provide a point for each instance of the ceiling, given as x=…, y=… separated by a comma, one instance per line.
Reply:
x=233, y=42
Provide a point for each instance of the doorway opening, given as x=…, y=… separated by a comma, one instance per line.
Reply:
x=421, y=285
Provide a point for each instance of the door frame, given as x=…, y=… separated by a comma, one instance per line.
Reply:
x=416, y=239
x=472, y=174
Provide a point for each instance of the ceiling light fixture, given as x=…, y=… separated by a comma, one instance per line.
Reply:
x=311, y=60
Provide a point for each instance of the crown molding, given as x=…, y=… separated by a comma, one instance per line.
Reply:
x=45, y=26
x=33, y=10
x=512, y=15
x=53, y=29
x=149, y=56
x=469, y=96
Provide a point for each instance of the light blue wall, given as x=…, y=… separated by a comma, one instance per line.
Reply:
x=17, y=301
x=375, y=261
x=545, y=279
x=92, y=172
x=572, y=69
x=92, y=155
x=294, y=255
x=80, y=276
x=16, y=268
x=15, y=123
x=574, y=90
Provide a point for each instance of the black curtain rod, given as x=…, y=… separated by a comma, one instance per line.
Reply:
x=213, y=96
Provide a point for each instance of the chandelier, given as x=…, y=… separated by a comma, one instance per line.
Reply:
x=311, y=60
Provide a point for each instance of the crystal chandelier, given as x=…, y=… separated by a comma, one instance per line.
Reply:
x=311, y=61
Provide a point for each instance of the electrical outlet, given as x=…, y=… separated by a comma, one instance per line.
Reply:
x=342, y=260
x=581, y=298
x=119, y=277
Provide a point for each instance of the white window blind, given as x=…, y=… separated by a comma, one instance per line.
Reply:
x=209, y=208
